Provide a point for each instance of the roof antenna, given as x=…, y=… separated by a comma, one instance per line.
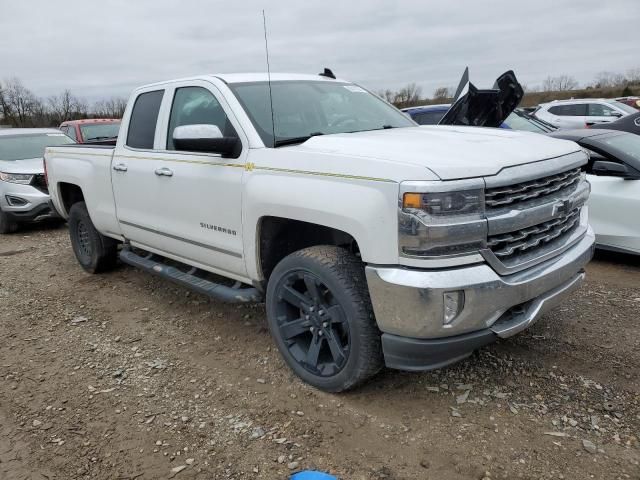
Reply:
x=327, y=73
x=266, y=47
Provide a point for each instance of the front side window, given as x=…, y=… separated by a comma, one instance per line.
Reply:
x=600, y=110
x=23, y=147
x=197, y=106
x=304, y=108
x=71, y=131
x=144, y=116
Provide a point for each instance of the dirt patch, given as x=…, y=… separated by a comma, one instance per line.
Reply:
x=124, y=376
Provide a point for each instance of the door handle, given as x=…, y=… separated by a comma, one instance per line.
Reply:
x=120, y=167
x=164, y=172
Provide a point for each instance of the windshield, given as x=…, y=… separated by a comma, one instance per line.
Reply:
x=302, y=109
x=22, y=147
x=624, y=107
x=517, y=122
x=626, y=143
x=99, y=131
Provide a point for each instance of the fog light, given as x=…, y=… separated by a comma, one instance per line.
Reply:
x=453, y=304
x=16, y=201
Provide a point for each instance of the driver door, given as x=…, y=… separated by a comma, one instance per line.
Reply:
x=200, y=194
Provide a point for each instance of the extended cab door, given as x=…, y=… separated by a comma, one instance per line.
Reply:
x=132, y=172
x=198, y=207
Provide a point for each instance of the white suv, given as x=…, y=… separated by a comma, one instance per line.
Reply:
x=582, y=113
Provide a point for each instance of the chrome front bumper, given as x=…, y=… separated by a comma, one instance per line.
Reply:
x=410, y=303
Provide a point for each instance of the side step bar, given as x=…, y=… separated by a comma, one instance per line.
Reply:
x=200, y=285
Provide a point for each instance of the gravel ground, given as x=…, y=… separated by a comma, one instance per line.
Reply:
x=125, y=376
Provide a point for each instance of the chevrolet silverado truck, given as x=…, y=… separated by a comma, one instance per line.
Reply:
x=372, y=241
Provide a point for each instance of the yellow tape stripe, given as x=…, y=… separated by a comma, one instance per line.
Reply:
x=247, y=166
x=323, y=174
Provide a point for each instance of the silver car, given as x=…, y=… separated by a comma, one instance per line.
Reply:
x=23, y=191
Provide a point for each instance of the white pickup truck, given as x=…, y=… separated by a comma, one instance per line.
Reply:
x=371, y=239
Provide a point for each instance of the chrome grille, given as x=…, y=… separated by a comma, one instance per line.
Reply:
x=498, y=197
x=510, y=245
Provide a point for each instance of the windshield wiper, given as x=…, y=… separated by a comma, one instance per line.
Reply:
x=294, y=140
x=99, y=138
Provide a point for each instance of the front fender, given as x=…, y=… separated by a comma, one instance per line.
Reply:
x=365, y=209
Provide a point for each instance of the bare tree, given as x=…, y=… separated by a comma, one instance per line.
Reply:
x=112, y=108
x=66, y=107
x=442, y=93
x=633, y=76
x=407, y=96
x=560, y=83
x=18, y=103
x=609, y=79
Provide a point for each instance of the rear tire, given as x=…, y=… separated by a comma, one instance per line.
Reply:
x=320, y=316
x=6, y=225
x=95, y=252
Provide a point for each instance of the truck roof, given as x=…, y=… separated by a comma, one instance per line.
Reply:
x=251, y=77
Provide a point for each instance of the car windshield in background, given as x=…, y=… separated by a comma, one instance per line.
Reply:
x=302, y=109
x=624, y=107
x=22, y=147
x=516, y=122
x=99, y=131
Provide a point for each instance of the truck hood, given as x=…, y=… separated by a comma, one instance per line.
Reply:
x=449, y=152
x=30, y=165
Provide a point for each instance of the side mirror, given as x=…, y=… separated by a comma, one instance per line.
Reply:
x=205, y=138
x=615, y=114
x=609, y=169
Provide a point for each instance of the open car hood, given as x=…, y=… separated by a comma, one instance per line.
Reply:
x=484, y=108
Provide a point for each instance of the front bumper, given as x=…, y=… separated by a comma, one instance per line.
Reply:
x=25, y=203
x=409, y=305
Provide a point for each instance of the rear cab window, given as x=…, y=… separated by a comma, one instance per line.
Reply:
x=143, y=120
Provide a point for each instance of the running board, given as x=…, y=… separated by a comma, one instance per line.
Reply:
x=191, y=281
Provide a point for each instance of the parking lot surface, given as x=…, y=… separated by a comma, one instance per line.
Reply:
x=126, y=376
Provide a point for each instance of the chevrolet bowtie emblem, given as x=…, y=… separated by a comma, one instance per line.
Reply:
x=561, y=208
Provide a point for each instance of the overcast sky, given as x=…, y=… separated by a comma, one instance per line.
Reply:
x=107, y=47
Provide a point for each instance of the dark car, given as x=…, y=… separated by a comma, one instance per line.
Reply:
x=473, y=107
x=427, y=114
x=630, y=123
x=517, y=120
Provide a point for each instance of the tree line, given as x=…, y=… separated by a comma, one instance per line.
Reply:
x=411, y=94
x=20, y=107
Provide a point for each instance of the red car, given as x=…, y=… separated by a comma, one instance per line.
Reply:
x=91, y=130
x=631, y=101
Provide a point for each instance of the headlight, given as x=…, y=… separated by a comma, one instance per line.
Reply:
x=445, y=203
x=448, y=221
x=21, y=178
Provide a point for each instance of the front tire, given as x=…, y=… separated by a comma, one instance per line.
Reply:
x=95, y=252
x=320, y=316
x=6, y=225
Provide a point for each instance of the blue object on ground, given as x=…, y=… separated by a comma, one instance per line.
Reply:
x=309, y=475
